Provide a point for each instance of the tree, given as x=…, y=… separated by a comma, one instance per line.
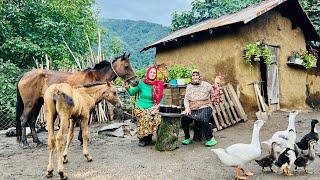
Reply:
x=30, y=29
x=9, y=75
x=312, y=8
x=204, y=9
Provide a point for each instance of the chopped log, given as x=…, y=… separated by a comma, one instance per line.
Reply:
x=168, y=132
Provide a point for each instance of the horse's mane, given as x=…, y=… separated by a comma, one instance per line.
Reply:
x=106, y=64
x=92, y=84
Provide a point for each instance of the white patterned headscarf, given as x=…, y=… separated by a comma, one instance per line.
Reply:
x=195, y=82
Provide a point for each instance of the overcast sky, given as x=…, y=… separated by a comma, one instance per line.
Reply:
x=157, y=11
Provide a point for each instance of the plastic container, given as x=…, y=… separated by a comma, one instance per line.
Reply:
x=173, y=82
x=181, y=82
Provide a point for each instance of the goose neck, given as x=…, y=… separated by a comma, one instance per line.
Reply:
x=313, y=127
x=291, y=124
x=255, y=135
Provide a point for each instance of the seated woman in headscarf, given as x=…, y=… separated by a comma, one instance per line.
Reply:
x=198, y=104
x=150, y=96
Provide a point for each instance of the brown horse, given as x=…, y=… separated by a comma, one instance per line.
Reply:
x=33, y=84
x=69, y=104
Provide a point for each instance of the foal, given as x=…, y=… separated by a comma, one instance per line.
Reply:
x=70, y=104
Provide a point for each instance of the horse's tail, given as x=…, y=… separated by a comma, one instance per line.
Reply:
x=19, y=111
x=63, y=97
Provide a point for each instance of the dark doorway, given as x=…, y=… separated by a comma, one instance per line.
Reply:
x=263, y=84
x=269, y=75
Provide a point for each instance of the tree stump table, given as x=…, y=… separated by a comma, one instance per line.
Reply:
x=168, y=132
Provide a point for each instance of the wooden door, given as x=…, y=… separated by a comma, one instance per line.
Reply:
x=273, y=80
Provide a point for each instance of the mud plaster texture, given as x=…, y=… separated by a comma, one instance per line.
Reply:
x=224, y=53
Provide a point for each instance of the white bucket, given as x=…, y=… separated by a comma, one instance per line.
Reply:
x=181, y=82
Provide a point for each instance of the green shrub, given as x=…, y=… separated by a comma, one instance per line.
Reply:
x=9, y=76
x=179, y=71
x=141, y=73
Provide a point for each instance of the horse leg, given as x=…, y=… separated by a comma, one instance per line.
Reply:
x=51, y=142
x=69, y=139
x=24, y=120
x=33, y=121
x=85, y=136
x=64, y=123
x=80, y=135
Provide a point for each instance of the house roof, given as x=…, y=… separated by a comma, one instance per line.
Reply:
x=244, y=16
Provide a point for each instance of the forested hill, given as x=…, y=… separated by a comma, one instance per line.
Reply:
x=132, y=36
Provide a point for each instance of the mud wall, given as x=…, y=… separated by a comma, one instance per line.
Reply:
x=313, y=88
x=224, y=53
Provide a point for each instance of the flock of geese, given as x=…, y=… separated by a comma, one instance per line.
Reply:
x=284, y=151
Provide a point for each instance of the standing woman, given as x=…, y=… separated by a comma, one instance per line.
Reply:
x=150, y=96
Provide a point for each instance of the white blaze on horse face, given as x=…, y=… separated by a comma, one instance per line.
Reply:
x=152, y=74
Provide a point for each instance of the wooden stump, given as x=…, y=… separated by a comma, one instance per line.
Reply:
x=168, y=132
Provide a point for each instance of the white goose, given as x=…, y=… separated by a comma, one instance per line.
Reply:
x=281, y=137
x=237, y=155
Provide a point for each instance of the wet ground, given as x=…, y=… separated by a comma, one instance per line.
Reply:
x=121, y=158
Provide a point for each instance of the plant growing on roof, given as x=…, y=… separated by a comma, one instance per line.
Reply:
x=253, y=52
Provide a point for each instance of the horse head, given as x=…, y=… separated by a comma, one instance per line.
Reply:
x=110, y=94
x=123, y=68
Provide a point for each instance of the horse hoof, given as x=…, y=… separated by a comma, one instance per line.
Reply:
x=62, y=176
x=89, y=158
x=65, y=160
x=49, y=174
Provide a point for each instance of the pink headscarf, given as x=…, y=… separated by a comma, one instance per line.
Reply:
x=157, y=86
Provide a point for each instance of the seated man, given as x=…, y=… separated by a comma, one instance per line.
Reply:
x=198, y=104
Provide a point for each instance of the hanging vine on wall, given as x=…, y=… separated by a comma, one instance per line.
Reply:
x=254, y=52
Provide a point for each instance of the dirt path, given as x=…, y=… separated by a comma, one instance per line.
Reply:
x=116, y=158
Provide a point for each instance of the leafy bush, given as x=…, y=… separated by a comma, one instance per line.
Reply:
x=141, y=73
x=33, y=28
x=118, y=81
x=9, y=76
x=179, y=71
